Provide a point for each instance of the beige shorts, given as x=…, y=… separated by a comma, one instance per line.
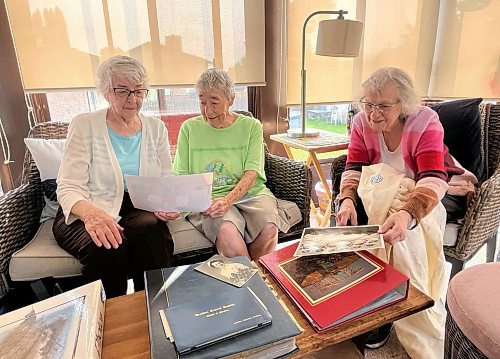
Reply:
x=249, y=217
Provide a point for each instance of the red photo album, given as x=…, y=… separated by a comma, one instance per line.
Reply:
x=331, y=289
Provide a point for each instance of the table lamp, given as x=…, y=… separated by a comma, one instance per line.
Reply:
x=337, y=38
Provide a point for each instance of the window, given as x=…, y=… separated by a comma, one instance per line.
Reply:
x=332, y=118
x=64, y=106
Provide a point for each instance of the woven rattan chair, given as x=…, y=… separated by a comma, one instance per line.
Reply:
x=482, y=218
x=20, y=209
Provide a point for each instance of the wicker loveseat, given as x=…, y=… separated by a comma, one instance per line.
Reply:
x=482, y=218
x=20, y=210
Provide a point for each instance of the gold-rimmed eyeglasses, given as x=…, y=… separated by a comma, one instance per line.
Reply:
x=381, y=107
x=123, y=92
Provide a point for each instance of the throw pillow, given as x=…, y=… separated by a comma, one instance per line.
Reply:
x=47, y=154
x=461, y=120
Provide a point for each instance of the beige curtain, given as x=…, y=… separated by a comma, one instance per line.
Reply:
x=60, y=43
x=449, y=47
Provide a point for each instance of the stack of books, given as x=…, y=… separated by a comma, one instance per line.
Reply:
x=195, y=315
x=334, y=288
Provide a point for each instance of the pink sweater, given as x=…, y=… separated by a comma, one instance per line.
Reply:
x=423, y=152
x=422, y=144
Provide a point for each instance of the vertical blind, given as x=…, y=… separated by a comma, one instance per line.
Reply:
x=60, y=43
x=449, y=48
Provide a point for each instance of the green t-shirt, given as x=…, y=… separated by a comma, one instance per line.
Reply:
x=227, y=152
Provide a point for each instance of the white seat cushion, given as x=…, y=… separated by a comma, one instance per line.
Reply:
x=186, y=237
x=450, y=234
x=42, y=257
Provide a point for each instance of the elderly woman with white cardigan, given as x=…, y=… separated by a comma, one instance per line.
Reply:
x=97, y=222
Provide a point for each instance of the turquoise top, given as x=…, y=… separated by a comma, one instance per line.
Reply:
x=127, y=151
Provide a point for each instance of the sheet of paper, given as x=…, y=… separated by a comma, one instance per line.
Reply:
x=187, y=193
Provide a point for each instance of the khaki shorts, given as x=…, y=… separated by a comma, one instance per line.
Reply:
x=249, y=217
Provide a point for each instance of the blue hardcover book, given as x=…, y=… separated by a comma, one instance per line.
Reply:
x=186, y=284
x=214, y=318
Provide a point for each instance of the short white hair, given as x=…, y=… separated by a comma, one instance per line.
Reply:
x=120, y=66
x=216, y=79
x=384, y=76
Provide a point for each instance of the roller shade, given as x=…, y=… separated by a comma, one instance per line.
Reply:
x=60, y=43
x=448, y=47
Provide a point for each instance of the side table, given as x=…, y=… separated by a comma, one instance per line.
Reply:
x=325, y=142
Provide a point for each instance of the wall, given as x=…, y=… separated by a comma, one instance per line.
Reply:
x=13, y=111
x=272, y=104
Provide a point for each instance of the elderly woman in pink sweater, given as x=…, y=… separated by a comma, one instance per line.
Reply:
x=395, y=130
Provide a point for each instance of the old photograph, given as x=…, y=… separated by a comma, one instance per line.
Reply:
x=321, y=277
x=227, y=270
x=338, y=239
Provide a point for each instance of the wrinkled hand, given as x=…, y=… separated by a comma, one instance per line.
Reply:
x=395, y=227
x=347, y=211
x=218, y=208
x=103, y=229
x=166, y=216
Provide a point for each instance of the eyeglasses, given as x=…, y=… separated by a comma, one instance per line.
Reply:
x=382, y=107
x=121, y=92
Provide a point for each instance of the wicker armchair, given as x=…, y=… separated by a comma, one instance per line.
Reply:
x=20, y=209
x=482, y=218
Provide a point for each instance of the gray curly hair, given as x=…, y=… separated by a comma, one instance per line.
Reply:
x=407, y=95
x=218, y=80
x=120, y=66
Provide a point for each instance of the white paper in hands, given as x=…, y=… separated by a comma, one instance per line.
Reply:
x=187, y=193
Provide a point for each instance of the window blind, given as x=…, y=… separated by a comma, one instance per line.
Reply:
x=61, y=43
x=448, y=47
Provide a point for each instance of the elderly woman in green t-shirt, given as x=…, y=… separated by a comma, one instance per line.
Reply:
x=243, y=217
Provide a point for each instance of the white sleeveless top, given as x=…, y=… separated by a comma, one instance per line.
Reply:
x=393, y=159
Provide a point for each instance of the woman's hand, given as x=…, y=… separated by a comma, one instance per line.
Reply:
x=395, y=227
x=347, y=211
x=218, y=208
x=103, y=229
x=166, y=216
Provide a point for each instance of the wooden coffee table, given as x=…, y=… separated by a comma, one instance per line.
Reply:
x=126, y=327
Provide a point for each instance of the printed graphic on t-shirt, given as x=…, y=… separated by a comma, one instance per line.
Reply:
x=221, y=173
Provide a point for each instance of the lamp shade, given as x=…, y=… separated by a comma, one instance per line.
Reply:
x=339, y=38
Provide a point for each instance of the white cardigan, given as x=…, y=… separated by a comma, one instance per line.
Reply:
x=89, y=168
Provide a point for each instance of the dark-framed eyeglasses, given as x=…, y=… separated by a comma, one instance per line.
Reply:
x=123, y=92
x=381, y=107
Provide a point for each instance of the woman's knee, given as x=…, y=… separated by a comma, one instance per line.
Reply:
x=227, y=230
x=269, y=232
x=143, y=225
x=229, y=240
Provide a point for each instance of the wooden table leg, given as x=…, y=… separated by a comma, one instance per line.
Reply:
x=325, y=219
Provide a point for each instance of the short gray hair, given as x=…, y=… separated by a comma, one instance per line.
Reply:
x=407, y=95
x=120, y=66
x=216, y=79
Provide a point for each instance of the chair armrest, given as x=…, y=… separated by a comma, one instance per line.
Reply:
x=20, y=211
x=481, y=219
x=338, y=167
x=292, y=181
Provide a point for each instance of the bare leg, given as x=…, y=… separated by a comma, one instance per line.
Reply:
x=265, y=242
x=229, y=241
